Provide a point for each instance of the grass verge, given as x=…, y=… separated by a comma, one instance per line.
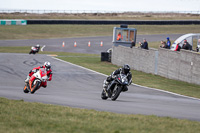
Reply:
x=18, y=49
x=18, y=116
x=64, y=31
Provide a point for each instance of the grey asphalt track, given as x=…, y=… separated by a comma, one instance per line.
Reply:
x=77, y=87
x=82, y=43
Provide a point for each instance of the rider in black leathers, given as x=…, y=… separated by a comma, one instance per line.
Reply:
x=124, y=70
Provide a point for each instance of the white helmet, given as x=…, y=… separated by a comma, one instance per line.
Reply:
x=47, y=65
x=37, y=45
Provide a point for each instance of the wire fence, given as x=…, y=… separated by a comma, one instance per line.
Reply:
x=90, y=11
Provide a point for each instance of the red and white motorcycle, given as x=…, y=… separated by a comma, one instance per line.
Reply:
x=40, y=76
x=34, y=50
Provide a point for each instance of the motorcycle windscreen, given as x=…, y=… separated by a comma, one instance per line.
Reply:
x=43, y=74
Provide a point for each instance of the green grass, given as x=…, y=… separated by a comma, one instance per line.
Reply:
x=65, y=31
x=18, y=116
x=18, y=49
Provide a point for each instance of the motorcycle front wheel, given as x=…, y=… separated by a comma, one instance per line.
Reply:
x=35, y=87
x=115, y=93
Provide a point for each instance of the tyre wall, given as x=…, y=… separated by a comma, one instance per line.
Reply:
x=106, y=22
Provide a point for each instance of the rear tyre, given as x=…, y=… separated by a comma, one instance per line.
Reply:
x=35, y=87
x=103, y=95
x=25, y=89
x=116, y=92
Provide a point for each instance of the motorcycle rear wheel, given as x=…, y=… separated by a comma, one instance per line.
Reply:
x=103, y=95
x=25, y=89
x=35, y=87
x=115, y=94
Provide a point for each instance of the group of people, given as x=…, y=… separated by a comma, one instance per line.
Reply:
x=185, y=46
x=167, y=44
x=143, y=45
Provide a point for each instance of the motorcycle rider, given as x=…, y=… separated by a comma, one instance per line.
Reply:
x=47, y=67
x=37, y=47
x=124, y=70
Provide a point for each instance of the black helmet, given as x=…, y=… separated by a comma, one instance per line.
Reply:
x=126, y=69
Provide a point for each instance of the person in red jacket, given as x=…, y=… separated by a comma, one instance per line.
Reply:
x=119, y=37
x=47, y=67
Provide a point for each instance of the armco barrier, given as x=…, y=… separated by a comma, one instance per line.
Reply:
x=13, y=22
x=183, y=65
x=106, y=22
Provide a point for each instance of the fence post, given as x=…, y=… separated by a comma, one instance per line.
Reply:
x=156, y=63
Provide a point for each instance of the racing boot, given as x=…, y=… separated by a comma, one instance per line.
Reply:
x=27, y=79
x=105, y=85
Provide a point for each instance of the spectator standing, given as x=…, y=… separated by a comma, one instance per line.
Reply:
x=119, y=36
x=186, y=45
x=132, y=44
x=198, y=45
x=163, y=44
x=178, y=47
x=197, y=49
x=144, y=45
x=168, y=43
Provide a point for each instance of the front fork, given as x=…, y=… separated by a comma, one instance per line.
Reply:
x=28, y=87
x=110, y=88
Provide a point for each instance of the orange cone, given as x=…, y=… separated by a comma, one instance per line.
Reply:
x=101, y=43
x=89, y=44
x=63, y=44
x=74, y=44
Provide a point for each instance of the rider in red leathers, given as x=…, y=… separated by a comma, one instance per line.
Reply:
x=31, y=78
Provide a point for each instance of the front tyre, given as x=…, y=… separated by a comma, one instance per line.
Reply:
x=35, y=87
x=116, y=91
x=103, y=95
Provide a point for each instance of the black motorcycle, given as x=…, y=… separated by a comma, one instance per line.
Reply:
x=115, y=87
